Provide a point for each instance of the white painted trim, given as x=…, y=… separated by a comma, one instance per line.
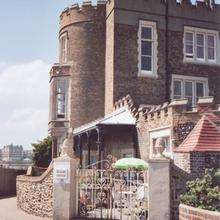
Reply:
x=206, y=32
x=153, y=26
x=194, y=79
x=160, y=133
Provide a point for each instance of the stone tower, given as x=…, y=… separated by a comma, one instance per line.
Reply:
x=85, y=30
x=81, y=69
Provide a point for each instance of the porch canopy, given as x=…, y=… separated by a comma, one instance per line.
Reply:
x=119, y=119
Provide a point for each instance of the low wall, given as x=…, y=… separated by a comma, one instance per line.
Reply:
x=188, y=212
x=8, y=181
x=35, y=194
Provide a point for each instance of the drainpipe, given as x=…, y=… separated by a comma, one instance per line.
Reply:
x=168, y=74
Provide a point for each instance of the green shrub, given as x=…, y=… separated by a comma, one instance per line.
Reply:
x=42, y=152
x=202, y=193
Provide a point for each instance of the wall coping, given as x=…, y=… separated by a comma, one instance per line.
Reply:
x=203, y=211
x=25, y=178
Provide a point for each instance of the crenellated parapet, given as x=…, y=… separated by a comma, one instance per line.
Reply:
x=205, y=9
x=127, y=102
x=82, y=12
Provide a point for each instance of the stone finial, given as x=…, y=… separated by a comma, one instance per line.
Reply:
x=159, y=148
x=66, y=149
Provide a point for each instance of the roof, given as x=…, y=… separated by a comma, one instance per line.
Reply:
x=205, y=137
x=120, y=116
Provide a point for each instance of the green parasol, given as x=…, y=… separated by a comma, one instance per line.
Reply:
x=130, y=163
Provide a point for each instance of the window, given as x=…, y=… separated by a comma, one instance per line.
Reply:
x=60, y=98
x=200, y=44
x=63, y=47
x=189, y=87
x=211, y=47
x=189, y=39
x=147, y=48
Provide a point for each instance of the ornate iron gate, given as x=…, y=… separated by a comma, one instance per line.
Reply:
x=105, y=193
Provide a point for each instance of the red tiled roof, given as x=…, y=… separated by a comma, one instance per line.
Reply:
x=213, y=117
x=204, y=137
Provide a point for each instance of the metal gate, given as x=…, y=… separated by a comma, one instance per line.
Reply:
x=105, y=193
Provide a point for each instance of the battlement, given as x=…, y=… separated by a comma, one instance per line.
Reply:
x=206, y=10
x=86, y=4
x=126, y=102
x=179, y=106
x=82, y=12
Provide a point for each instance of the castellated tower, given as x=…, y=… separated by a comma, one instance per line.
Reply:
x=81, y=69
x=85, y=31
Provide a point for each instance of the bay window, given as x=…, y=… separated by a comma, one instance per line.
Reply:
x=147, y=48
x=188, y=87
x=200, y=45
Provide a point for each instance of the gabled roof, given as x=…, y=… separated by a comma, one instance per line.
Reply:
x=205, y=137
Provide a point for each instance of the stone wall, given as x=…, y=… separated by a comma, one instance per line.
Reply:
x=35, y=194
x=187, y=212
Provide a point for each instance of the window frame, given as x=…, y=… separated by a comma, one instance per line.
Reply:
x=61, y=116
x=154, y=40
x=194, y=81
x=193, y=42
x=206, y=33
x=201, y=46
x=63, y=48
x=215, y=48
x=162, y=132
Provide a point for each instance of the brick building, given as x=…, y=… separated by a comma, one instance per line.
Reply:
x=164, y=54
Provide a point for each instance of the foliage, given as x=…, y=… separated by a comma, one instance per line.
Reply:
x=202, y=193
x=42, y=152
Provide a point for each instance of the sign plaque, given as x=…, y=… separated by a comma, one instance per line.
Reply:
x=62, y=172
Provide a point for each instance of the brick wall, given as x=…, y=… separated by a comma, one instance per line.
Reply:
x=86, y=52
x=188, y=166
x=122, y=55
x=188, y=213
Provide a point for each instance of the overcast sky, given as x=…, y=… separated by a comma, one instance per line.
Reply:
x=28, y=48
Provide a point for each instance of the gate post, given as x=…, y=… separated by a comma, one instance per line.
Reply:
x=65, y=184
x=159, y=189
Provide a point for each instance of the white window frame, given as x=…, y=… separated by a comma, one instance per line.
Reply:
x=198, y=45
x=206, y=33
x=63, y=48
x=194, y=80
x=193, y=40
x=160, y=133
x=153, y=26
x=215, y=47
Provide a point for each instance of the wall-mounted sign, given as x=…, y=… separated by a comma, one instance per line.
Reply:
x=61, y=172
